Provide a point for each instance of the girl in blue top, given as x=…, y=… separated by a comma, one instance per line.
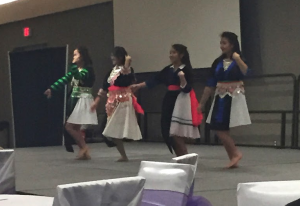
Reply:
x=229, y=108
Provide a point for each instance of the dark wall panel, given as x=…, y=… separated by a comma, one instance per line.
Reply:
x=91, y=26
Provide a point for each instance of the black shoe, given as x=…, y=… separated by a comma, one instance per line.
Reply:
x=69, y=148
x=109, y=143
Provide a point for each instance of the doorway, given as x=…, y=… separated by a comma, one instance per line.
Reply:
x=37, y=120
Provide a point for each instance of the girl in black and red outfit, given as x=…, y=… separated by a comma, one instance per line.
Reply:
x=180, y=119
x=121, y=103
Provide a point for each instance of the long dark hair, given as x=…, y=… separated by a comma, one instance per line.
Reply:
x=181, y=49
x=87, y=61
x=233, y=39
x=85, y=56
x=120, y=53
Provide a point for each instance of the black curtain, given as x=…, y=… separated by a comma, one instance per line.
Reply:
x=38, y=121
x=250, y=35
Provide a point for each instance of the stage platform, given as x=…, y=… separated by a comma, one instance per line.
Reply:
x=40, y=170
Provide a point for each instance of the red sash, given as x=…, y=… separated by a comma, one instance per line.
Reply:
x=196, y=117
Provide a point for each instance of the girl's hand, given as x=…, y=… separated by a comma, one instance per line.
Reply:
x=199, y=109
x=93, y=107
x=48, y=93
x=135, y=87
x=235, y=56
x=101, y=93
x=128, y=58
x=180, y=74
x=127, y=65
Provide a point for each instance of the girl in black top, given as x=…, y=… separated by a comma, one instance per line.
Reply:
x=180, y=119
x=82, y=78
x=121, y=103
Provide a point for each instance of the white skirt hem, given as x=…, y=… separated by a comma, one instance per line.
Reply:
x=123, y=123
x=182, y=123
x=239, y=114
x=82, y=113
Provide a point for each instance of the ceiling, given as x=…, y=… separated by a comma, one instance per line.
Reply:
x=25, y=9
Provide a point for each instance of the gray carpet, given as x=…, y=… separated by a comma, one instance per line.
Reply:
x=40, y=170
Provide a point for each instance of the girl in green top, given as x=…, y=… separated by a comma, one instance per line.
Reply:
x=82, y=78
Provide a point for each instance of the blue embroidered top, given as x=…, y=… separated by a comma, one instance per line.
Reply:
x=219, y=74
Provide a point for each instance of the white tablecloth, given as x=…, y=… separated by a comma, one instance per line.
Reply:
x=116, y=192
x=25, y=200
x=7, y=172
x=278, y=193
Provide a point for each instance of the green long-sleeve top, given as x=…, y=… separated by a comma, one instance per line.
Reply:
x=85, y=76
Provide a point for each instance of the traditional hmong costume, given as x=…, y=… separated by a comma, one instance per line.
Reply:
x=121, y=106
x=179, y=110
x=80, y=100
x=229, y=107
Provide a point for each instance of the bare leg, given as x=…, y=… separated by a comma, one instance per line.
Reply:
x=74, y=131
x=121, y=149
x=180, y=147
x=234, y=155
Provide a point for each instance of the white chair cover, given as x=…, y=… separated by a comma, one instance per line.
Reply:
x=115, y=192
x=166, y=183
x=7, y=172
x=191, y=159
x=268, y=193
x=25, y=200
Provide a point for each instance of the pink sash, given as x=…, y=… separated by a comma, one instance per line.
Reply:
x=122, y=94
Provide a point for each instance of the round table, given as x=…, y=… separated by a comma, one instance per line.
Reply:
x=25, y=200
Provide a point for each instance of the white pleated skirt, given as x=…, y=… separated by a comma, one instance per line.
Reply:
x=182, y=123
x=82, y=113
x=239, y=114
x=123, y=123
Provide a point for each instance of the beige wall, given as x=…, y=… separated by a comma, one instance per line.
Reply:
x=148, y=28
x=25, y=9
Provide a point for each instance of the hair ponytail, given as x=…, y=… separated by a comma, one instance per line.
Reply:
x=120, y=53
x=181, y=49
